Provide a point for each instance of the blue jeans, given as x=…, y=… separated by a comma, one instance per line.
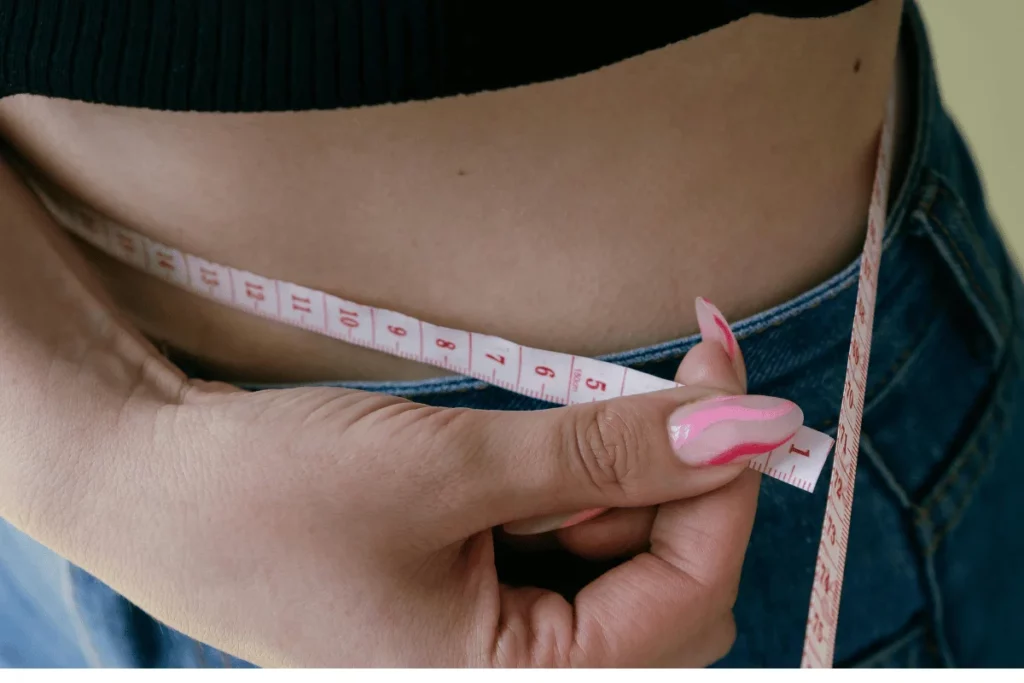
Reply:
x=936, y=548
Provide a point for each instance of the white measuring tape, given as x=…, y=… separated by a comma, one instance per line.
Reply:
x=823, y=615
x=555, y=377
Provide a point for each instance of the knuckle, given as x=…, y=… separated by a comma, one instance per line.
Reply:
x=607, y=444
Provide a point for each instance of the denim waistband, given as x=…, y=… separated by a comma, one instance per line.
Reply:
x=790, y=338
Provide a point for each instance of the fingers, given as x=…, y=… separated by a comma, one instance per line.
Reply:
x=617, y=533
x=615, y=453
x=631, y=452
x=715, y=329
x=643, y=610
x=490, y=468
x=715, y=363
x=707, y=366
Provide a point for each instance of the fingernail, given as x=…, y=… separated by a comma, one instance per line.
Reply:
x=713, y=327
x=544, y=524
x=732, y=428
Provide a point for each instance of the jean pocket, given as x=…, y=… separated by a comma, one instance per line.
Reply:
x=952, y=320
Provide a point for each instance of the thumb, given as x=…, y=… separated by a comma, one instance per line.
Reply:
x=625, y=452
x=708, y=434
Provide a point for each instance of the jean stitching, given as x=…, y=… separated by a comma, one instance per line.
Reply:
x=971, y=454
x=968, y=270
x=964, y=502
x=895, y=651
x=963, y=211
x=898, y=367
x=876, y=461
x=985, y=461
x=941, y=492
x=751, y=334
x=942, y=650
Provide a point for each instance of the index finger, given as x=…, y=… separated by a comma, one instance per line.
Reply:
x=644, y=609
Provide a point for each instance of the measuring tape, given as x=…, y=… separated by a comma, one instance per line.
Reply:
x=546, y=375
x=823, y=615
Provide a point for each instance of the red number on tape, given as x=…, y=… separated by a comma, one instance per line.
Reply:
x=348, y=318
x=254, y=291
x=209, y=277
x=838, y=484
x=824, y=577
x=596, y=385
x=794, y=449
x=497, y=359
x=165, y=260
x=544, y=371
x=445, y=344
x=397, y=331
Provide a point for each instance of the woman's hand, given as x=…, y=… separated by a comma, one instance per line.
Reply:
x=322, y=526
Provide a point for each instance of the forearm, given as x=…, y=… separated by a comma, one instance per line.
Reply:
x=74, y=378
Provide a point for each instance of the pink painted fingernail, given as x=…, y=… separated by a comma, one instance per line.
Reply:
x=542, y=525
x=732, y=428
x=713, y=327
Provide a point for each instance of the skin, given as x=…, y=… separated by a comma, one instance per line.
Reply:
x=582, y=215
x=652, y=192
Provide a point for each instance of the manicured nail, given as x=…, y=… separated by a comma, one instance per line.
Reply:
x=542, y=525
x=732, y=428
x=713, y=327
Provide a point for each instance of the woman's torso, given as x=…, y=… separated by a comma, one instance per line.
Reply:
x=581, y=215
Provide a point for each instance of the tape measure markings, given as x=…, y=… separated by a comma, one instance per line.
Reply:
x=826, y=589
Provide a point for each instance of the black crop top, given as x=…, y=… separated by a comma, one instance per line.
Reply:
x=261, y=55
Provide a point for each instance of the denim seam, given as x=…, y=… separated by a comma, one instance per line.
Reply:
x=929, y=533
x=939, y=648
x=971, y=453
x=845, y=282
x=876, y=461
x=984, y=460
x=943, y=650
x=930, y=536
x=988, y=305
x=982, y=297
x=888, y=379
x=964, y=212
x=898, y=368
x=885, y=655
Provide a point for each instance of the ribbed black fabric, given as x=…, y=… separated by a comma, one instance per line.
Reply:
x=260, y=55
